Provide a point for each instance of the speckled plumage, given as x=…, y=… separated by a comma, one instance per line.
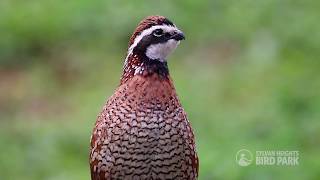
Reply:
x=142, y=131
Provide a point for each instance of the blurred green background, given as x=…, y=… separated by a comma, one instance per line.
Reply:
x=247, y=75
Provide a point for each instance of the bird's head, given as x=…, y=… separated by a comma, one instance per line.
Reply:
x=155, y=38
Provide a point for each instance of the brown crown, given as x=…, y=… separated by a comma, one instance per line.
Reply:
x=147, y=23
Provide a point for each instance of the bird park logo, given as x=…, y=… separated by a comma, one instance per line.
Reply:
x=244, y=157
x=268, y=158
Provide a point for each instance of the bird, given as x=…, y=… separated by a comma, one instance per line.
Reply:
x=143, y=131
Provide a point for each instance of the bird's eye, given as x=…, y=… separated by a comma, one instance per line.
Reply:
x=158, y=32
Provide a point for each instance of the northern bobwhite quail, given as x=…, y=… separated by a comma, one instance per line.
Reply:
x=142, y=131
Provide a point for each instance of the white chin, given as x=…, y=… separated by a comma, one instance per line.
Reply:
x=162, y=50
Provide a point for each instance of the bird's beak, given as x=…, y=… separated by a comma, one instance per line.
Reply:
x=178, y=35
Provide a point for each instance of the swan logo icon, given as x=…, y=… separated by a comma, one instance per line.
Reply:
x=244, y=157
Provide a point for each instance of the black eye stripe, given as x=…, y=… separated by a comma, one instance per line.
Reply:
x=167, y=34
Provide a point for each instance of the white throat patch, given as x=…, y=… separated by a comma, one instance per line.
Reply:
x=162, y=50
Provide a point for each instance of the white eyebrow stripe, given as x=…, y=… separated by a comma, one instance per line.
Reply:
x=166, y=28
